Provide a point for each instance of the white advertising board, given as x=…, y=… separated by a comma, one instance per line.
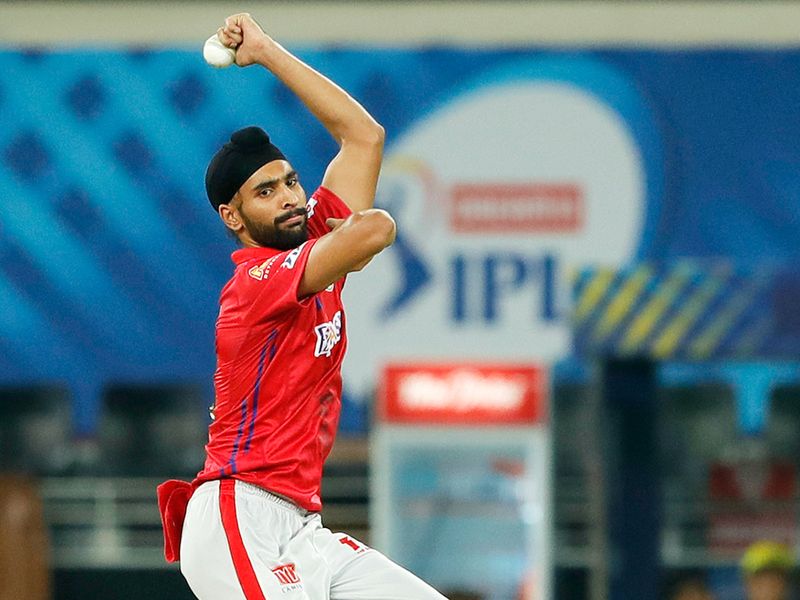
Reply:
x=497, y=193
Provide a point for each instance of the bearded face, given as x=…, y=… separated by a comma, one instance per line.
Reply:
x=269, y=210
x=286, y=231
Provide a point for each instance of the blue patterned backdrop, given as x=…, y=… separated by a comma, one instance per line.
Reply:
x=111, y=258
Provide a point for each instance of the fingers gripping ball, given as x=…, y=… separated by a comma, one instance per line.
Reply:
x=216, y=54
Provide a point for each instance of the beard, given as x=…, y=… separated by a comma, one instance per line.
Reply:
x=272, y=236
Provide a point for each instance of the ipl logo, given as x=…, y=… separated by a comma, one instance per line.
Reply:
x=528, y=173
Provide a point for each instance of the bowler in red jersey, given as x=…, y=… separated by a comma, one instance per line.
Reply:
x=249, y=526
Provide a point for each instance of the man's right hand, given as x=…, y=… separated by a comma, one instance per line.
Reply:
x=244, y=35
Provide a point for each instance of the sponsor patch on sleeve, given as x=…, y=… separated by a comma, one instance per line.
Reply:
x=261, y=271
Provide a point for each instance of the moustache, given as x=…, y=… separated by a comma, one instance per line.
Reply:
x=296, y=212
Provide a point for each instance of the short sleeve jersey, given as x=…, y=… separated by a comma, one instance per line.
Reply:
x=278, y=378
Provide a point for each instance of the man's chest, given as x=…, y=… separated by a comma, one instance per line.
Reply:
x=317, y=329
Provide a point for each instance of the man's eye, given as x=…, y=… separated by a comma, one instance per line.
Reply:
x=291, y=182
x=265, y=192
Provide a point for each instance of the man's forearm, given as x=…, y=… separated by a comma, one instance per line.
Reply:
x=353, y=173
x=344, y=118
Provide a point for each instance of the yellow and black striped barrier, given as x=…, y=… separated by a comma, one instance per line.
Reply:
x=684, y=310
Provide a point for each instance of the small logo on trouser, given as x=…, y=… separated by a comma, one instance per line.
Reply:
x=357, y=547
x=287, y=576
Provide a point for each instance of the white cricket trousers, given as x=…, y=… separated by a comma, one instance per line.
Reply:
x=240, y=542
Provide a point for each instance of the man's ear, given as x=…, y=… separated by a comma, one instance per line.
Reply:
x=230, y=216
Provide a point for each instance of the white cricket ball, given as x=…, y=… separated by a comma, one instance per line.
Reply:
x=217, y=54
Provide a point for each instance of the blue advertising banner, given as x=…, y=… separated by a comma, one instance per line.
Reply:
x=506, y=170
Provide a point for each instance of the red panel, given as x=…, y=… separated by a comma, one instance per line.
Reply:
x=751, y=500
x=474, y=394
x=516, y=208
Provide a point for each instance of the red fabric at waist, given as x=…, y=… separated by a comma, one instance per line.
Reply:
x=173, y=497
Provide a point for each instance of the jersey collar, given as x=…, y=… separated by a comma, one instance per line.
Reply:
x=242, y=255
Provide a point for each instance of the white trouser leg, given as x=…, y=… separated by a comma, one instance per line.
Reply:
x=245, y=559
x=361, y=573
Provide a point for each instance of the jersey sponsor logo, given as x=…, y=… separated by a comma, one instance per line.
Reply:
x=291, y=258
x=287, y=576
x=328, y=335
x=261, y=271
x=312, y=204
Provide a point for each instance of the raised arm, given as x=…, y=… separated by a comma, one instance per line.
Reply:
x=353, y=173
x=349, y=247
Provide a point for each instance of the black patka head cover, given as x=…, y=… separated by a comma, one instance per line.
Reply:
x=234, y=163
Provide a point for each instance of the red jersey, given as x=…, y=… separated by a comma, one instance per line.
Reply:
x=278, y=380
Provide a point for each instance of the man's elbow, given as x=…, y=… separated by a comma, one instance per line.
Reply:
x=372, y=135
x=378, y=135
x=379, y=230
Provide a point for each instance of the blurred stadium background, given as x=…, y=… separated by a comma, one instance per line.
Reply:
x=574, y=376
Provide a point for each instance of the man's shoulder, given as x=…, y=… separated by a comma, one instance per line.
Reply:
x=255, y=269
x=260, y=269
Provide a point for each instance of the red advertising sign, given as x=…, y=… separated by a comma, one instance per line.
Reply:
x=751, y=501
x=517, y=208
x=472, y=394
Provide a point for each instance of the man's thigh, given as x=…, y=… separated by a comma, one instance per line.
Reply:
x=362, y=573
x=231, y=550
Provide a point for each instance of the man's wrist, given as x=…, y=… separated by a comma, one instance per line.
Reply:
x=268, y=52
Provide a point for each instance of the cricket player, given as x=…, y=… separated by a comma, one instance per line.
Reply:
x=249, y=526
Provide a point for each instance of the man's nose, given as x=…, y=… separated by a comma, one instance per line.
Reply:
x=289, y=200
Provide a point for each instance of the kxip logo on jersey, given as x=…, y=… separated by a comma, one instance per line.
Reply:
x=328, y=335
